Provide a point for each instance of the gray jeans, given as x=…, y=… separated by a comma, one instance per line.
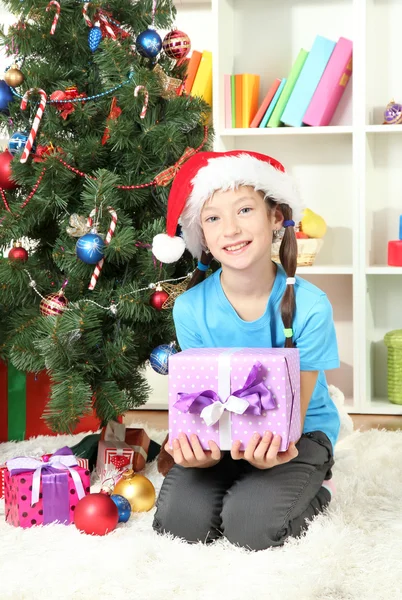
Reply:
x=252, y=508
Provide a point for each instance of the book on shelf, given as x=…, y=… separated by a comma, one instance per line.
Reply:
x=238, y=100
x=192, y=68
x=275, y=119
x=265, y=103
x=272, y=104
x=308, y=81
x=202, y=85
x=331, y=86
x=227, y=91
x=250, y=94
x=233, y=98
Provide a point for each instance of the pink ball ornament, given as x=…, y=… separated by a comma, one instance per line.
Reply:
x=96, y=514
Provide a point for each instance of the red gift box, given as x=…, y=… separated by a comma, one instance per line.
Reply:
x=40, y=492
x=23, y=399
x=122, y=447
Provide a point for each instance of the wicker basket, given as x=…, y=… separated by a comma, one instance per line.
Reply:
x=307, y=250
x=393, y=341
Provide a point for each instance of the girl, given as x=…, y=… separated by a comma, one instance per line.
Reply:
x=230, y=205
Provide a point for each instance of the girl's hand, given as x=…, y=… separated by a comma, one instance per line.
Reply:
x=189, y=453
x=263, y=453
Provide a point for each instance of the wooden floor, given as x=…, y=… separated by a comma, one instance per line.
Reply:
x=158, y=419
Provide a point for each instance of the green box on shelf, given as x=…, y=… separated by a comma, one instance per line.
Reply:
x=393, y=341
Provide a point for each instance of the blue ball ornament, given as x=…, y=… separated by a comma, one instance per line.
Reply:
x=17, y=142
x=90, y=248
x=159, y=358
x=123, y=506
x=148, y=43
x=6, y=97
x=94, y=38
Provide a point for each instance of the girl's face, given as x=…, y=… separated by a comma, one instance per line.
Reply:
x=238, y=226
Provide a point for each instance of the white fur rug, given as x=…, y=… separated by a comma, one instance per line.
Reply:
x=354, y=551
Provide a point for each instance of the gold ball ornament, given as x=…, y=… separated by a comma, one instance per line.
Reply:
x=14, y=77
x=137, y=489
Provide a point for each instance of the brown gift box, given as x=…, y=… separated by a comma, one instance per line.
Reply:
x=119, y=440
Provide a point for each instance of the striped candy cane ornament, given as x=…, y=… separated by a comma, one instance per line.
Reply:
x=85, y=14
x=37, y=119
x=102, y=16
x=146, y=96
x=56, y=16
x=109, y=235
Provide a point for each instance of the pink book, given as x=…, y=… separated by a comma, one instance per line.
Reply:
x=331, y=86
x=228, y=101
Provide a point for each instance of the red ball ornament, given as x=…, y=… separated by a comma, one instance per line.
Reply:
x=6, y=181
x=58, y=95
x=176, y=44
x=18, y=253
x=53, y=305
x=158, y=298
x=96, y=514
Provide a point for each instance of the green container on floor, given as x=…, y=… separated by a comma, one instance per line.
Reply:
x=393, y=341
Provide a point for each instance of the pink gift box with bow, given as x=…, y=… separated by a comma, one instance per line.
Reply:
x=44, y=491
x=227, y=394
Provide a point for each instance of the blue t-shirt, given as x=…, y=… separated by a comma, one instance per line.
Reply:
x=204, y=318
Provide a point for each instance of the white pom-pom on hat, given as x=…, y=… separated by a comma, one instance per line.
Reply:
x=200, y=177
x=167, y=249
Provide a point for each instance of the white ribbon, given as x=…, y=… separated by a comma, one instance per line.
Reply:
x=213, y=412
x=60, y=462
x=224, y=391
x=140, y=450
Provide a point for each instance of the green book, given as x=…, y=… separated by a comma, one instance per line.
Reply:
x=275, y=119
x=233, y=90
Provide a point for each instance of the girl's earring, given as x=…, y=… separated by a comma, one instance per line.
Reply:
x=276, y=233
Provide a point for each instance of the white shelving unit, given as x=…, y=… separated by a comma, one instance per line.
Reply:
x=350, y=173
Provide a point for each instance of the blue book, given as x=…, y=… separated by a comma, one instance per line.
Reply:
x=272, y=105
x=307, y=82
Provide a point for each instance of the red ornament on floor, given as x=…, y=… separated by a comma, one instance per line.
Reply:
x=96, y=514
x=158, y=298
x=18, y=253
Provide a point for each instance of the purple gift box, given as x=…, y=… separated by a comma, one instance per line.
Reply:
x=227, y=394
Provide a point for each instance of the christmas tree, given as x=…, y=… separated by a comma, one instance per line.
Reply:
x=93, y=103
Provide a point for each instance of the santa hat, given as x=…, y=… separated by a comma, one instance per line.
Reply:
x=200, y=177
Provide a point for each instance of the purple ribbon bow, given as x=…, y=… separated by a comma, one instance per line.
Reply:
x=53, y=473
x=254, y=398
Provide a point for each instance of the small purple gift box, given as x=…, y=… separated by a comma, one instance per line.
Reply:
x=227, y=394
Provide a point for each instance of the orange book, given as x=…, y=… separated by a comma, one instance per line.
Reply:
x=192, y=68
x=265, y=103
x=239, y=99
x=250, y=93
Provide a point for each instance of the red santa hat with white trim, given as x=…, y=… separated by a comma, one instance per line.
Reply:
x=202, y=175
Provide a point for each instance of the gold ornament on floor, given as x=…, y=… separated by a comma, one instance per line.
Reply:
x=14, y=77
x=171, y=85
x=174, y=291
x=137, y=489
